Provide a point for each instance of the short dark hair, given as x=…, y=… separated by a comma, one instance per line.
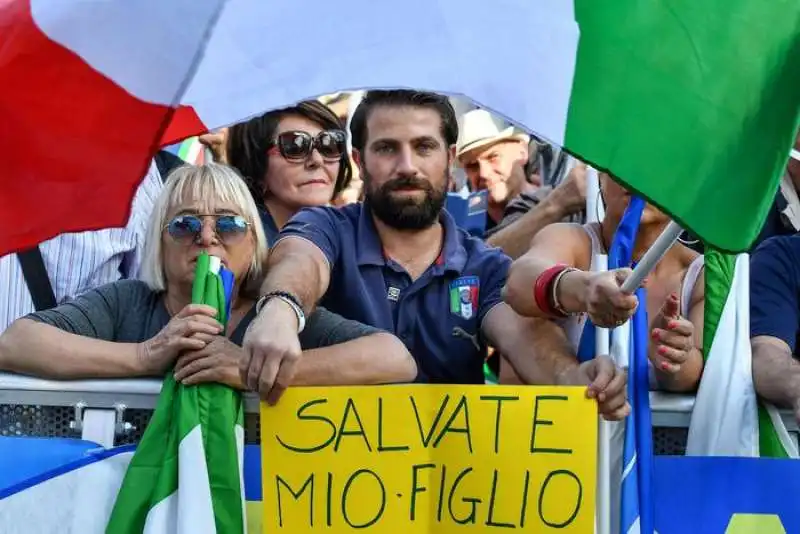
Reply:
x=249, y=141
x=403, y=97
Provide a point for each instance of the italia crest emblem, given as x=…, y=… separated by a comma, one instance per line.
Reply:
x=464, y=296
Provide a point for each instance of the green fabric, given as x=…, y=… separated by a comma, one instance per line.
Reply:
x=769, y=444
x=719, y=273
x=692, y=103
x=152, y=475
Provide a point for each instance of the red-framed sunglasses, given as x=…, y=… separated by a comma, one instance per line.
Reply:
x=297, y=145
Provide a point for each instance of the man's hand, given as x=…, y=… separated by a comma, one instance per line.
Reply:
x=607, y=305
x=217, y=142
x=606, y=382
x=570, y=195
x=271, y=351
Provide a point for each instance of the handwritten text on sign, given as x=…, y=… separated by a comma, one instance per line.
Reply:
x=423, y=459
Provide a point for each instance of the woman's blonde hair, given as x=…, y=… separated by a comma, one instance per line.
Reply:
x=190, y=182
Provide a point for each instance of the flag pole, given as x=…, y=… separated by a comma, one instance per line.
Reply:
x=600, y=264
x=652, y=256
x=603, y=433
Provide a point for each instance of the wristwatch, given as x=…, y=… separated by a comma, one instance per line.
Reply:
x=289, y=299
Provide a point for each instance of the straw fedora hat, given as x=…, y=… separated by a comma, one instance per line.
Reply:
x=479, y=128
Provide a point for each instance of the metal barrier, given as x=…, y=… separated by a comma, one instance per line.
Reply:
x=116, y=412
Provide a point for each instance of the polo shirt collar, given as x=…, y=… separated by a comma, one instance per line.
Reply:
x=369, y=250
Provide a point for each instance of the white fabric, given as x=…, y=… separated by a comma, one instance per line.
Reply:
x=792, y=209
x=258, y=53
x=76, y=502
x=158, y=39
x=189, y=508
x=528, y=46
x=689, y=281
x=789, y=444
x=725, y=417
x=82, y=261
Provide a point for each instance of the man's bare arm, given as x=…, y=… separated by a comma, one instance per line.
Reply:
x=376, y=359
x=539, y=352
x=776, y=373
x=515, y=239
x=537, y=349
x=299, y=267
x=568, y=198
x=558, y=243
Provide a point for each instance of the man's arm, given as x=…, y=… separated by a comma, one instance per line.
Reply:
x=776, y=373
x=568, y=198
x=298, y=266
x=539, y=352
x=558, y=243
x=516, y=337
x=374, y=359
x=774, y=318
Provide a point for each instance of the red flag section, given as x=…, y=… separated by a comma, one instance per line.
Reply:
x=75, y=144
x=185, y=123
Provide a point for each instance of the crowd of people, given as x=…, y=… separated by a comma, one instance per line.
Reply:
x=350, y=271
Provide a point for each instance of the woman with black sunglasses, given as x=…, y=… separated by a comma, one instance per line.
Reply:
x=146, y=328
x=291, y=159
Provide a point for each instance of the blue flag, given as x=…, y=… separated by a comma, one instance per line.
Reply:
x=637, y=496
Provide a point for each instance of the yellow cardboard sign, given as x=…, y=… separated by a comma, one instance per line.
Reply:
x=416, y=459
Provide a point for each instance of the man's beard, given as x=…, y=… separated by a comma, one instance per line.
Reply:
x=405, y=213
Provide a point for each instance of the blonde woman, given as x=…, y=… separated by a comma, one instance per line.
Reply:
x=146, y=328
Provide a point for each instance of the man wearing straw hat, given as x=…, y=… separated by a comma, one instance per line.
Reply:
x=496, y=157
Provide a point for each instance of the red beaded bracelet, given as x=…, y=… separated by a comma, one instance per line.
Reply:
x=542, y=290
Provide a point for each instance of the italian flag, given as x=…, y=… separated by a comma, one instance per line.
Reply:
x=186, y=474
x=728, y=419
x=692, y=104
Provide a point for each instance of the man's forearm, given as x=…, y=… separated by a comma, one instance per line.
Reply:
x=776, y=373
x=375, y=359
x=515, y=239
x=537, y=349
x=298, y=267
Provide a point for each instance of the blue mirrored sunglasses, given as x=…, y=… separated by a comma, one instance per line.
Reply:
x=227, y=227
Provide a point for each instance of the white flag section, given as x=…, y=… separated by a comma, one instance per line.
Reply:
x=188, y=508
x=525, y=39
x=255, y=60
x=725, y=419
x=74, y=500
x=725, y=416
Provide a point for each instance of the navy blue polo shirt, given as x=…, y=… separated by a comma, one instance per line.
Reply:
x=775, y=290
x=271, y=230
x=438, y=316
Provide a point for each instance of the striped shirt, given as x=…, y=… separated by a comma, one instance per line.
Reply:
x=82, y=261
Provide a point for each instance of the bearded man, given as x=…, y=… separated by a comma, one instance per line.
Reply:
x=399, y=262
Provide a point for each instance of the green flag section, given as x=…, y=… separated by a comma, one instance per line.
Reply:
x=694, y=104
x=185, y=476
x=727, y=419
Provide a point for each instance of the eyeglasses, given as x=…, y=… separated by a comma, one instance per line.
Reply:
x=297, y=145
x=229, y=228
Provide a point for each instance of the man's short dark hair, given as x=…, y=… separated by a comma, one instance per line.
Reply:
x=399, y=98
